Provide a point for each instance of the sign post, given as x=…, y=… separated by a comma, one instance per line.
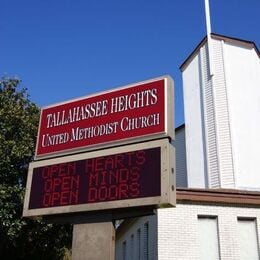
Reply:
x=93, y=241
x=102, y=158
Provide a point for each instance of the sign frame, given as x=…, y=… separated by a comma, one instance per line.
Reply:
x=168, y=190
x=168, y=121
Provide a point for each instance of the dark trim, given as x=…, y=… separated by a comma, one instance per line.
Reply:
x=228, y=38
x=179, y=127
x=218, y=196
x=214, y=197
x=202, y=42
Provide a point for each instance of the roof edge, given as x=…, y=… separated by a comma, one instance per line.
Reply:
x=218, y=37
x=180, y=127
x=218, y=196
x=199, y=196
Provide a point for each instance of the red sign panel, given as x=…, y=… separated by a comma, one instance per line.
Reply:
x=134, y=112
x=124, y=176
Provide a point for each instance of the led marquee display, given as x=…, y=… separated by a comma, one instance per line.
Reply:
x=128, y=176
x=107, y=178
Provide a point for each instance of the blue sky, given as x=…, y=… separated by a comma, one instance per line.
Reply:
x=64, y=49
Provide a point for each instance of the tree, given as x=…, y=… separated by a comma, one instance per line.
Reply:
x=22, y=238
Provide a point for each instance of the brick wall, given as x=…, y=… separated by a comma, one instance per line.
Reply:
x=178, y=230
x=173, y=232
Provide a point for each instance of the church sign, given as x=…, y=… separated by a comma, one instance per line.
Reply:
x=108, y=151
x=138, y=112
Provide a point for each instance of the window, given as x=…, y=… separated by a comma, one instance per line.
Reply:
x=208, y=237
x=248, y=241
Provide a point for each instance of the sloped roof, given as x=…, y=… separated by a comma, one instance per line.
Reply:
x=228, y=39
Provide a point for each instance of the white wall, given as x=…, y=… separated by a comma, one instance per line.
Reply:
x=242, y=66
x=178, y=230
x=194, y=125
x=222, y=116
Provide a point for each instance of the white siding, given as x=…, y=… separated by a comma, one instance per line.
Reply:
x=225, y=158
x=181, y=169
x=221, y=116
x=141, y=238
x=209, y=120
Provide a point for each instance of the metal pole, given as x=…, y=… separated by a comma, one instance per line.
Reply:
x=210, y=47
x=93, y=241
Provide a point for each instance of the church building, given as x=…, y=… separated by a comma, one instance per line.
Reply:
x=217, y=215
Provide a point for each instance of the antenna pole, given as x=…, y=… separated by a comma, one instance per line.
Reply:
x=210, y=46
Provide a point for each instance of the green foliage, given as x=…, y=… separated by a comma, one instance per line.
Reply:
x=22, y=238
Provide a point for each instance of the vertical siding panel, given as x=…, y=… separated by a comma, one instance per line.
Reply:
x=141, y=237
x=181, y=167
x=222, y=119
x=209, y=120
